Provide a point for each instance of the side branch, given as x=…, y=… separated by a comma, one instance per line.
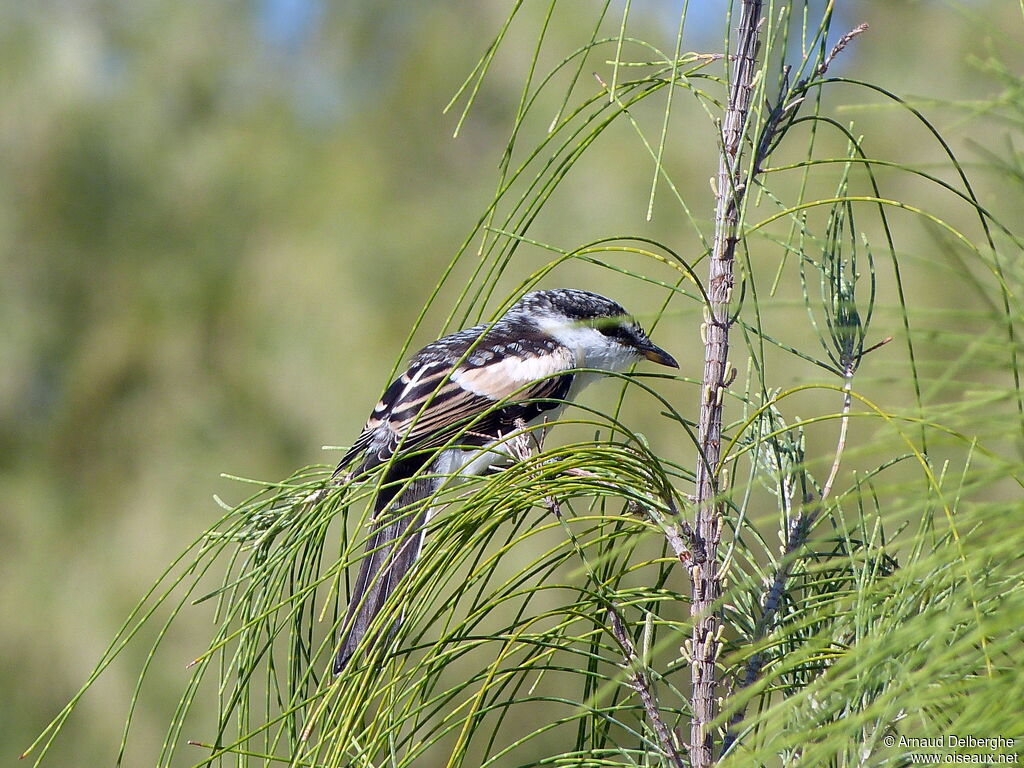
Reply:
x=639, y=682
x=524, y=446
x=796, y=536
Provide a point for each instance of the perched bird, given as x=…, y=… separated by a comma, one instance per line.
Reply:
x=465, y=394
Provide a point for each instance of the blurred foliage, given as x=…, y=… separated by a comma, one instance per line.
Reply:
x=218, y=222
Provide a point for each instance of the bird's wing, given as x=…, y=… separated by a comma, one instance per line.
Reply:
x=486, y=397
x=424, y=407
x=371, y=433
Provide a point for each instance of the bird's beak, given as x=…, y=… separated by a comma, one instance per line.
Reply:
x=656, y=354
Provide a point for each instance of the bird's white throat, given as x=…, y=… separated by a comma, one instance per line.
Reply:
x=592, y=348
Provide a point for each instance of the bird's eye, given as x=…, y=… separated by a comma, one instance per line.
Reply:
x=615, y=330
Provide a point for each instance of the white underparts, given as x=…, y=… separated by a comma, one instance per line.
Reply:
x=460, y=462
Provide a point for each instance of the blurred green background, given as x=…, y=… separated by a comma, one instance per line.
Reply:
x=218, y=221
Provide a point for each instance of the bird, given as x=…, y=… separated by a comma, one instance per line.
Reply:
x=453, y=410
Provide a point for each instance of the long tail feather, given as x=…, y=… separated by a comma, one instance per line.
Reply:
x=391, y=552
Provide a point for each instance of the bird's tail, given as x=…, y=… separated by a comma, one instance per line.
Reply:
x=391, y=551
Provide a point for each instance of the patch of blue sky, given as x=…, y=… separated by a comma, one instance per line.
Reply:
x=288, y=23
x=704, y=19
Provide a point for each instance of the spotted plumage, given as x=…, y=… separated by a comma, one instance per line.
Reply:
x=459, y=399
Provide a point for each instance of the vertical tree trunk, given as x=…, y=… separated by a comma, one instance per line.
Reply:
x=705, y=580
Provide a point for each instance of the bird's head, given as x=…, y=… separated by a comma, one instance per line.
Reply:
x=599, y=330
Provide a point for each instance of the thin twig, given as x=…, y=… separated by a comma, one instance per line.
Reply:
x=844, y=425
x=838, y=48
x=640, y=682
x=525, y=445
x=674, y=534
x=679, y=533
x=638, y=679
x=790, y=100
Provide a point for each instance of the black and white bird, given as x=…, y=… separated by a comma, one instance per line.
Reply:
x=454, y=409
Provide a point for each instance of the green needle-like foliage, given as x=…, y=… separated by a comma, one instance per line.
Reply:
x=873, y=584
